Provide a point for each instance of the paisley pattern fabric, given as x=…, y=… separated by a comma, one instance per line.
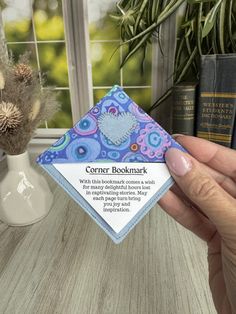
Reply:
x=85, y=142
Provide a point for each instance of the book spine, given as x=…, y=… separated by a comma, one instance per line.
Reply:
x=234, y=136
x=217, y=101
x=184, y=101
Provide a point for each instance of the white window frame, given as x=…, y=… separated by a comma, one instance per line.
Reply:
x=75, y=15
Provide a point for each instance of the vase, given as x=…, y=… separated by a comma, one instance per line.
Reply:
x=2, y=155
x=25, y=196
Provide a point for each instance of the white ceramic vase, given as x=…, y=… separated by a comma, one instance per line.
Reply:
x=2, y=154
x=25, y=197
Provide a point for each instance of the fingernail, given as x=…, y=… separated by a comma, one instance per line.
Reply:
x=176, y=135
x=178, y=162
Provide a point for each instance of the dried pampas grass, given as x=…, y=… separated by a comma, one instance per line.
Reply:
x=10, y=118
x=23, y=103
x=2, y=81
x=23, y=73
x=35, y=110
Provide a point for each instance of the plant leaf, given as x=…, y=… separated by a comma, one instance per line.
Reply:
x=210, y=19
x=221, y=26
x=161, y=18
x=199, y=1
x=199, y=29
x=155, y=9
x=140, y=44
x=116, y=17
x=160, y=100
x=230, y=25
x=188, y=64
x=138, y=18
x=188, y=32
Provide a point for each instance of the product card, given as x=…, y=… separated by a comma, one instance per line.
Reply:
x=112, y=163
x=117, y=191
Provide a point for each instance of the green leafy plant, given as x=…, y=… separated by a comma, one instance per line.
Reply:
x=206, y=27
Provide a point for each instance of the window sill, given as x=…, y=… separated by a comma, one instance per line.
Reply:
x=44, y=138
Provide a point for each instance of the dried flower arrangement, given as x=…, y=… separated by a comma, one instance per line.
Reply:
x=23, y=103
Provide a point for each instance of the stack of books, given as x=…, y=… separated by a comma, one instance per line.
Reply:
x=207, y=109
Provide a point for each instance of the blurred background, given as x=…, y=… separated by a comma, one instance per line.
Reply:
x=37, y=26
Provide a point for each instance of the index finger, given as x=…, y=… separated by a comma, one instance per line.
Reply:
x=218, y=157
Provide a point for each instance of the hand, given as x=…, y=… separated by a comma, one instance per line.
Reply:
x=204, y=201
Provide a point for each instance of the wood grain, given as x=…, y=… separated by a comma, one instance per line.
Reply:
x=66, y=265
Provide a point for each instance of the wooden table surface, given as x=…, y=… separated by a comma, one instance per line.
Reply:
x=66, y=264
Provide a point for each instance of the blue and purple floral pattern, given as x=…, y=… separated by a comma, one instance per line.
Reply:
x=85, y=142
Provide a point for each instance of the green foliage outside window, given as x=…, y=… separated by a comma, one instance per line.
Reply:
x=49, y=26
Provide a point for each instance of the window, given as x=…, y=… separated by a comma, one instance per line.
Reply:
x=38, y=27
x=104, y=40
x=73, y=41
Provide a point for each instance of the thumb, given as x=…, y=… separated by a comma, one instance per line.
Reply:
x=202, y=190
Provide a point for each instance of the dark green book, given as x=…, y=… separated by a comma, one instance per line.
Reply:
x=217, y=98
x=184, y=103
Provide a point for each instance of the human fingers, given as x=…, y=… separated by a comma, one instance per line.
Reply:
x=203, y=190
x=187, y=216
x=215, y=156
x=223, y=180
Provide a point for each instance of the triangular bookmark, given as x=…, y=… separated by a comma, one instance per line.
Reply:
x=112, y=163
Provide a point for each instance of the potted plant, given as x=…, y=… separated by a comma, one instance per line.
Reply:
x=206, y=27
x=25, y=196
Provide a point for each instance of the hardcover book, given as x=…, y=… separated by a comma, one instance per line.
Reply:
x=217, y=102
x=112, y=163
x=184, y=104
x=234, y=136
